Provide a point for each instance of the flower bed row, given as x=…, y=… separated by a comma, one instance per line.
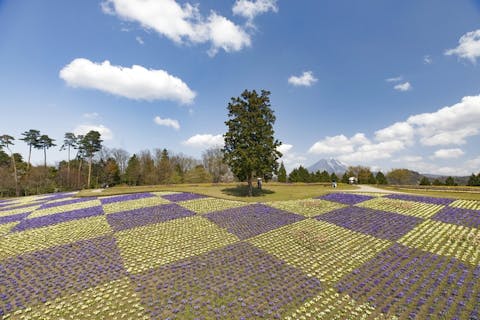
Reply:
x=380, y=224
x=238, y=281
x=308, y=207
x=412, y=284
x=205, y=205
x=331, y=253
x=44, y=275
x=153, y=245
x=252, y=220
x=410, y=208
x=445, y=239
x=346, y=198
x=31, y=240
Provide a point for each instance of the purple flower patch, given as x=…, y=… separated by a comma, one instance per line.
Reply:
x=239, y=281
x=459, y=216
x=144, y=216
x=345, y=198
x=402, y=280
x=380, y=224
x=14, y=217
x=177, y=197
x=431, y=200
x=126, y=197
x=65, y=202
x=40, y=276
x=43, y=221
x=252, y=220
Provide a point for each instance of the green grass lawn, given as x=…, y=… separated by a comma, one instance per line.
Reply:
x=233, y=191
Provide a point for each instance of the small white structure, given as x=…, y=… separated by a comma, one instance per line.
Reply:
x=352, y=180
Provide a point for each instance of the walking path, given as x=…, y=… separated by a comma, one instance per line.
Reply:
x=365, y=188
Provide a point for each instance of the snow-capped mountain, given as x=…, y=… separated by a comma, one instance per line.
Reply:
x=330, y=165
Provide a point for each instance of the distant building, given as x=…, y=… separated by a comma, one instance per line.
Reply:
x=352, y=180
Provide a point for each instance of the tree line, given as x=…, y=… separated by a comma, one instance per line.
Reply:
x=90, y=164
x=364, y=175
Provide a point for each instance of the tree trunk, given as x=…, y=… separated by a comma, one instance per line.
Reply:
x=79, y=172
x=68, y=168
x=45, y=157
x=250, y=186
x=89, y=171
x=17, y=192
x=29, y=156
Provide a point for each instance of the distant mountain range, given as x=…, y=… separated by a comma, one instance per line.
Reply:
x=330, y=165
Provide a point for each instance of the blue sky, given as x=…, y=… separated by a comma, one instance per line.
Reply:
x=386, y=84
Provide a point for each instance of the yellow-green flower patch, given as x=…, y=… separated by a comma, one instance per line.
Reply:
x=30, y=240
x=331, y=305
x=446, y=239
x=370, y=194
x=150, y=246
x=307, y=207
x=65, y=208
x=14, y=211
x=113, y=300
x=409, y=208
x=206, y=205
x=6, y=227
x=320, y=249
x=163, y=193
x=466, y=204
x=133, y=204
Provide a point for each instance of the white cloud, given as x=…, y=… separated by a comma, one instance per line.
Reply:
x=181, y=23
x=398, y=131
x=82, y=129
x=338, y=145
x=136, y=82
x=167, y=122
x=468, y=47
x=250, y=9
x=204, y=141
x=449, y=125
x=306, y=79
x=448, y=153
x=408, y=159
x=285, y=148
x=427, y=59
x=139, y=40
x=224, y=34
x=406, y=86
x=91, y=115
x=394, y=79
x=373, y=151
x=473, y=165
x=290, y=159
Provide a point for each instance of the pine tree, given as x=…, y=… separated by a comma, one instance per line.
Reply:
x=380, y=178
x=425, y=181
x=282, y=173
x=250, y=147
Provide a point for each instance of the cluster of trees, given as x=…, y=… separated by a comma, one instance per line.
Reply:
x=363, y=175
x=95, y=165
x=474, y=180
x=20, y=177
x=161, y=167
x=449, y=181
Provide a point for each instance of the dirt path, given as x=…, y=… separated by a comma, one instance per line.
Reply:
x=364, y=188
